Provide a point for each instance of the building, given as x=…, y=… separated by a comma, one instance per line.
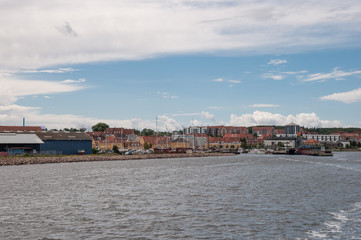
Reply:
x=66, y=143
x=195, y=130
x=323, y=137
x=275, y=142
x=222, y=143
x=292, y=129
x=155, y=141
x=124, y=133
x=20, y=129
x=219, y=131
x=17, y=144
x=180, y=143
x=263, y=131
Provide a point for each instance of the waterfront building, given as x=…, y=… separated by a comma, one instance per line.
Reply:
x=180, y=143
x=223, y=143
x=323, y=137
x=275, y=142
x=16, y=144
x=65, y=143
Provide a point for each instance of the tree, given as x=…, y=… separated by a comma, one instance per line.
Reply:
x=147, y=145
x=100, y=127
x=147, y=132
x=244, y=145
x=115, y=149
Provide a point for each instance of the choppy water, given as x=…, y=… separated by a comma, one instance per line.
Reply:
x=236, y=197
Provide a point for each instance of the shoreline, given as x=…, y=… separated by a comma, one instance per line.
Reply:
x=12, y=161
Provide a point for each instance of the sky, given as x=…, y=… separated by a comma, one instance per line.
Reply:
x=177, y=63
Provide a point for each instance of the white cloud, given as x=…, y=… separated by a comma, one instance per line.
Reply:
x=215, y=108
x=66, y=32
x=266, y=118
x=274, y=77
x=59, y=70
x=297, y=72
x=218, y=80
x=207, y=115
x=277, y=61
x=234, y=81
x=335, y=74
x=81, y=80
x=184, y=114
x=11, y=114
x=166, y=123
x=345, y=97
x=167, y=95
x=12, y=89
x=264, y=105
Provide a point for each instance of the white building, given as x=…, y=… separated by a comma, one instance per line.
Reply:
x=323, y=138
x=197, y=130
x=287, y=142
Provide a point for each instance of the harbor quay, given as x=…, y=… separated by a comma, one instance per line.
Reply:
x=21, y=160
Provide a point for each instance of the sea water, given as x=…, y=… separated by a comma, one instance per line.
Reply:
x=233, y=197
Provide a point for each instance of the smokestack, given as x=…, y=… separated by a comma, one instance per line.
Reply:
x=23, y=122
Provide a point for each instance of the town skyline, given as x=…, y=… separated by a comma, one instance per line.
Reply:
x=138, y=64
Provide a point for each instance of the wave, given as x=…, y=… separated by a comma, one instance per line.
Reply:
x=343, y=225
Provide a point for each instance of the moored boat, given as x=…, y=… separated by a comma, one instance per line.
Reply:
x=313, y=150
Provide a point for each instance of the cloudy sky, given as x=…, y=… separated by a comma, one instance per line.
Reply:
x=202, y=62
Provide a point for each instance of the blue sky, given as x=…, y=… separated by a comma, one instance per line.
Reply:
x=244, y=63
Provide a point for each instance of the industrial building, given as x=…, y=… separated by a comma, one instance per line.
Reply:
x=66, y=143
x=45, y=143
x=16, y=144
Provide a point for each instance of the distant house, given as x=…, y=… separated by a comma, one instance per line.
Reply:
x=156, y=141
x=65, y=143
x=263, y=131
x=222, y=143
x=180, y=143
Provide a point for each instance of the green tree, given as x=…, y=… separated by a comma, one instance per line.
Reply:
x=100, y=127
x=147, y=132
x=244, y=145
x=147, y=145
x=115, y=149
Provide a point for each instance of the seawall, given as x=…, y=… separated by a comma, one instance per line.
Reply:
x=20, y=160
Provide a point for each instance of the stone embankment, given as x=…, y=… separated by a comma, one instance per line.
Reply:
x=20, y=160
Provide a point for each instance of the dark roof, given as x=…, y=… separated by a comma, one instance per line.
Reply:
x=78, y=136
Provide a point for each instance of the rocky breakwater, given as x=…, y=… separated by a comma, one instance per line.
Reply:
x=21, y=160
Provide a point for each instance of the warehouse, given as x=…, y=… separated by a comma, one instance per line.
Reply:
x=66, y=143
x=16, y=144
